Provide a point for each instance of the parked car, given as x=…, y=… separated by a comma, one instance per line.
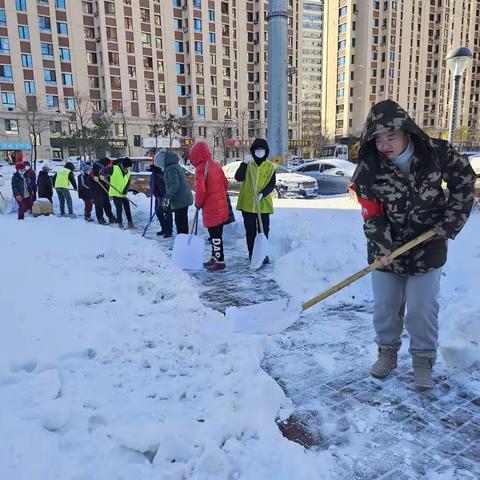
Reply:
x=140, y=178
x=332, y=175
x=289, y=185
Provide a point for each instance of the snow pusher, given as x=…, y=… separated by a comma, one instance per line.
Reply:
x=277, y=315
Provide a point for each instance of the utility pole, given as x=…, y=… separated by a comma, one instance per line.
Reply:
x=277, y=78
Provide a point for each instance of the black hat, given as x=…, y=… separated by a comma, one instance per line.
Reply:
x=126, y=162
x=259, y=143
x=70, y=166
x=105, y=161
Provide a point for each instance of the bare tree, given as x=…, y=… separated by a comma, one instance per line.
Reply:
x=223, y=132
x=171, y=127
x=243, y=131
x=125, y=117
x=82, y=118
x=36, y=122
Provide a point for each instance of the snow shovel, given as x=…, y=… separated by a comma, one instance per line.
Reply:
x=260, y=247
x=4, y=203
x=189, y=249
x=274, y=316
x=110, y=185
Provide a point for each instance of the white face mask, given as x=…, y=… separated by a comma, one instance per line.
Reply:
x=27, y=168
x=260, y=153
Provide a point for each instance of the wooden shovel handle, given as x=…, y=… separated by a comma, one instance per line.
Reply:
x=374, y=266
x=106, y=191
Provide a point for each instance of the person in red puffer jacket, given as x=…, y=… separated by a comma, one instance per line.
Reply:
x=211, y=196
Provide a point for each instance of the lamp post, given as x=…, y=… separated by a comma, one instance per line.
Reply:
x=457, y=61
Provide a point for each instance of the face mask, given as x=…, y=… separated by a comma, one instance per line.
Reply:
x=21, y=172
x=260, y=153
x=27, y=169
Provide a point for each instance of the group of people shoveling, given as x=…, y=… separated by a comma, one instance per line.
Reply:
x=415, y=193
x=108, y=180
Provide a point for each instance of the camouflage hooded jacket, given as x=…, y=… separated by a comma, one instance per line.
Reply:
x=405, y=206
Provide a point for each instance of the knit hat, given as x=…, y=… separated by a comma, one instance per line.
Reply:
x=20, y=166
x=70, y=166
x=159, y=158
x=85, y=167
x=126, y=162
x=27, y=163
x=45, y=168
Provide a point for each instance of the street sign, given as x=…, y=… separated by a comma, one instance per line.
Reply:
x=15, y=146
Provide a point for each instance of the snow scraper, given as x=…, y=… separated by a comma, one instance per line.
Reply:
x=189, y=249
x=277, y=315
x=260, y=247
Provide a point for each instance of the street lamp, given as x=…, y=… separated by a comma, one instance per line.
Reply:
x=457, y=61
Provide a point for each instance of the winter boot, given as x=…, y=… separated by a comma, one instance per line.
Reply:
x=102, y=221
x=160, y=233
x=386, y=362
x=120, y=225
x=88, y=219
x=167, y=235
x=422, y=372
x=131, y=225
x=217, y=266
x=209, y=263
x=72, y=215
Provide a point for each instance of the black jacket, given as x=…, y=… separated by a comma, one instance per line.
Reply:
x=44, y=185
x=157, y=182
x=85, y=186
x=18, y=185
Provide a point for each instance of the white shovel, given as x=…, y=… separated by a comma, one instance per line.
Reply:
x=4, y=203
x=189, y=250
x=260, y=247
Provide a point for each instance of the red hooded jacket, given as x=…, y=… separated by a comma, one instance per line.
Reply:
x=210, y=192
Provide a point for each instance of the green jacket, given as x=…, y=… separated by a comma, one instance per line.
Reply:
x=176, y=184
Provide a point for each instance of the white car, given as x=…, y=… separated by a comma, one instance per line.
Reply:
x=289, y=185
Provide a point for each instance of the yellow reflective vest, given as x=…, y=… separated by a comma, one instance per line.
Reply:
x=61, y=180
x=261, y=176
x=118, y=182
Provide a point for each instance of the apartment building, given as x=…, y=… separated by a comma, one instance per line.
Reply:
x=134, y=61
x=396, y=49
x=312, y=49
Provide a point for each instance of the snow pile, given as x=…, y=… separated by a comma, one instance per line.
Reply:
x=110, y=367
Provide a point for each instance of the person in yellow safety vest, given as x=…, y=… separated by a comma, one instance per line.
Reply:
x=61, y=182
x=265, y=181
x=119, y=185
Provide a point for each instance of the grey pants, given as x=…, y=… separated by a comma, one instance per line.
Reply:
x=64, y=195
x=419, y=294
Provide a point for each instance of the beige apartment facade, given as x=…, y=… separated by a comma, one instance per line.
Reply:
x=135, y=61
x=396, y=49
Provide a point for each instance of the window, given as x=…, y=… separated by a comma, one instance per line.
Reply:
x=94, y=82
x=3, y=18
x=87, y=7
x=211, y=15
x=197, y=3
x=342, y=28
x=128, y=23
x=92, y=58
x=342, y=12
x=6, y=73
x=8, y=100
x=161, y=87
x=177, y=23
x=111, y=33
x=201, y=111
x=342, y=44
x=50, y=76
x=180, y=68
x=341, y=61
x=29, y=87
x=27, y=60
x=149, y=86
x=119, y=129
x=148, y=63
x=182, y=111
x=11, y=127
x=89, y=32
x=23, y=32
x=44, y=24
x=340, y=92
x=160, y=66
x=181, y=90
x=212, y=37
x=134, y=95
x=341, y=77
x=55, y=127
x=67, y=79
x=62, y=28
x=146, y=40
x=200, y=90
x=198, y=48
x=113, y=58
x=109, y=8
x=199, y=68
x=65, y=54
x=132, y=72
x=4, y=45
x=69, y=103
x=60, y=4
x=178, y=47
x=145, y=14
x=197, y=24
x=47, y=50
x=21, y=5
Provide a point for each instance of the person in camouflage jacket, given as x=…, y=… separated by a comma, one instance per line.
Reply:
x=406, y=184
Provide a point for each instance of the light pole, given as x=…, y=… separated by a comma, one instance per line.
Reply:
x=457, y=61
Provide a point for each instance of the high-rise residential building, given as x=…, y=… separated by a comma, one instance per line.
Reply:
x=309, y=122
x=134, y=61
x=396, y=49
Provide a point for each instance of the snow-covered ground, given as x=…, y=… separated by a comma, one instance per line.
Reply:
x=116, y=365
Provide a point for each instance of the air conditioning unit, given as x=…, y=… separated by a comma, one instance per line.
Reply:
x=255, y=22
x=95, y=14
x=185, y=29
x=98, y=39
